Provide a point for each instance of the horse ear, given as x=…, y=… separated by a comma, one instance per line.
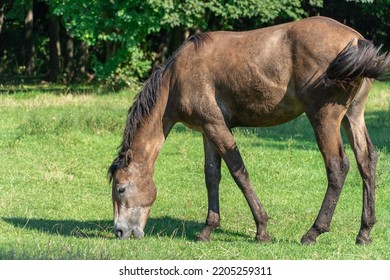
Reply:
x=114, y=165
x=129, y=157
x=111, y=171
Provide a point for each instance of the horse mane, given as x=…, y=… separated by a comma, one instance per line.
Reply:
x=198, y=39
x=144, y=102
x=146, y=98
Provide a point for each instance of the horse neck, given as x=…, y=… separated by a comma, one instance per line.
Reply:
x=151, y=134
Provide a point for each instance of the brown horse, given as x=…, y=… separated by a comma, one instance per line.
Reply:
x=220, y=80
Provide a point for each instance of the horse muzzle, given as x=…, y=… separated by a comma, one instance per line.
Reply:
x=128, y=232
x=130, y=222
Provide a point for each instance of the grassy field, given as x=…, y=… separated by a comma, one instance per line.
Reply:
x=55, y=201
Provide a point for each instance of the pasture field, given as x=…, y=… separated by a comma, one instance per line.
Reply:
x=56, y=144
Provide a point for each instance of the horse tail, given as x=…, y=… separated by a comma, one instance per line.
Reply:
x=362, y=60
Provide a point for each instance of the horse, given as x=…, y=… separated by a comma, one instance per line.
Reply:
x=220, y=80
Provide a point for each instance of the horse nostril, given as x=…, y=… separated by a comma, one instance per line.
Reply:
x=118, y=233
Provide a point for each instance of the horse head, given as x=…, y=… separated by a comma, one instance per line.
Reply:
x=132, y=195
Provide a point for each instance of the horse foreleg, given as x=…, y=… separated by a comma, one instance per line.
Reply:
x=329, y=141
x=212, y=170
x=366, y=158
x=222, y=138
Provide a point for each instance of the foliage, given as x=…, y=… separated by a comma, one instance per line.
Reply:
x=125, y=37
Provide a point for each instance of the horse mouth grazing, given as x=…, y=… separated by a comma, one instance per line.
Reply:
x=136, y=233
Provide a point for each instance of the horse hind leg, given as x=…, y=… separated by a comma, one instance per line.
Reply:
x=212, y=170
x=366, y=158
x=327, y=130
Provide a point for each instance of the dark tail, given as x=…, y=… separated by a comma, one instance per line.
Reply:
x=361, y=60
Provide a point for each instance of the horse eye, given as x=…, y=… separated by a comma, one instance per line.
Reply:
x=121, y=190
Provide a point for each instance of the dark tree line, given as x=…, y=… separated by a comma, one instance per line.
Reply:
x=35, y=43
x=119, y=42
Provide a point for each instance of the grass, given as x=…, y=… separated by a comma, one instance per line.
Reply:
x=55, y=201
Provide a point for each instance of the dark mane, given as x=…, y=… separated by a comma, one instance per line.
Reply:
x=199, y=39
x=146, y=98
x=144, y=101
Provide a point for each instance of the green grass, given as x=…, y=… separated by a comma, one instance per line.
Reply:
x=55, y=201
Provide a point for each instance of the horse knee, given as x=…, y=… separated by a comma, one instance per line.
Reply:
x=212, y=172
x=337, y=171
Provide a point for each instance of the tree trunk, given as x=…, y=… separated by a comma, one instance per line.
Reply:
x=54, y=48
x=1, y=16
x=178, y=35
x=111, y=48
x=161, y=57
x=29, y=38
x=169, y=43
x=69, y=70
x=82, y=58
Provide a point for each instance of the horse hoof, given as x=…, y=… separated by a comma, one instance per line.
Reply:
x=264, y=238
x=202, y=239
x=308, y=240
x=363, y=240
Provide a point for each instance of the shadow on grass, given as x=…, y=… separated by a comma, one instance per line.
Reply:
x=82, y=229
x=156, y=227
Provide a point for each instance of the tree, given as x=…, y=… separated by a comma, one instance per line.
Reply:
x=54, y=47
x=29, y=38
x=69, y=70
x=81, y=65
x=1, y=16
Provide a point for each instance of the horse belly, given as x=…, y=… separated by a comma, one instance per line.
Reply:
x=266, y=111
